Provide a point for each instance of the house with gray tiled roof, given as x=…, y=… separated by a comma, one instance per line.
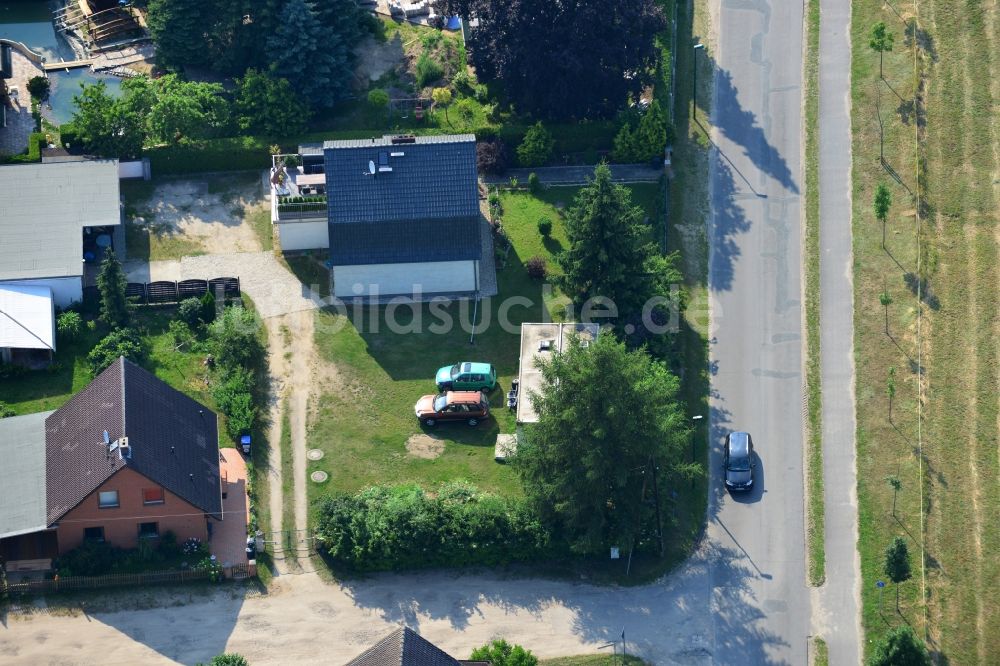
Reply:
x=402, y=215
x=128, y=458
x=405, y=647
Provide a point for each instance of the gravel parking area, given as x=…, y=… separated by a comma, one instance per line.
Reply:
x=274, y=290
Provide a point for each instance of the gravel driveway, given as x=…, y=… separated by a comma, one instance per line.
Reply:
x=304, y=620
x=274, y=289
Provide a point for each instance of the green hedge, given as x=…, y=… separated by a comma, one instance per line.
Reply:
x=34, y=153
x=250, y=153
x=402, y=527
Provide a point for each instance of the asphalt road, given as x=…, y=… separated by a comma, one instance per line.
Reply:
x=839, y=616
x=760, y=600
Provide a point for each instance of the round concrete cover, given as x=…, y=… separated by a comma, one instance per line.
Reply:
x=319, y=476
x=314, y=454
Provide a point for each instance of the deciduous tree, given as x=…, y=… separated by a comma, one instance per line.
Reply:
x=899, y=647
x=501, y=653
x=880, y=39
x=604, y=414
x=107, y=126
x=880, y=206
x=266, y=104
x=564, y=59
x=442, y=98
x=897, y=563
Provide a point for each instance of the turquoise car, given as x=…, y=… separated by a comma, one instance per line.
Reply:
x=467, y=377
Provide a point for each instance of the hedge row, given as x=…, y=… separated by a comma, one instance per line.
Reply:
x=401, y=527
x=34, y=153
x=252, y=153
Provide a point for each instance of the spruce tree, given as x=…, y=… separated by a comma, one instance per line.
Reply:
x=316, y=59
x=111, y=284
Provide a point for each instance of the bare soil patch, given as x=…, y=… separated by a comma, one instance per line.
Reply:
x=422, y=445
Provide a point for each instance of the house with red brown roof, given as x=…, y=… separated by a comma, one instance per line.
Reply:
x=126, y=459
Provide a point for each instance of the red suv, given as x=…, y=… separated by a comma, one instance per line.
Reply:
x=468, y=406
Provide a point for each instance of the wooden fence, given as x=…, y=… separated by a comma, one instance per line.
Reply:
x=110, y=580
x=167, y=291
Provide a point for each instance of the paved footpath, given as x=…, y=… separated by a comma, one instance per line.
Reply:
x=839, y=616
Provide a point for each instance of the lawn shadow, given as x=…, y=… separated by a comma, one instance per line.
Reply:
x=412, y=340
x=553, y=245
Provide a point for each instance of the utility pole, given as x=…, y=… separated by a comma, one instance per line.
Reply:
x=694, y=80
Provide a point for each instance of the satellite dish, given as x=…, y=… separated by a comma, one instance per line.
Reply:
x=107, y=437
x=371, y=167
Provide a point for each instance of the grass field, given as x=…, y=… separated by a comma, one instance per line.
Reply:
x=42, y=390
x=815, y=526
x=364, y=427
x=940, y=267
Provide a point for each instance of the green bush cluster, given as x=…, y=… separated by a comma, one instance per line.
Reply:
x=120, y=342
x=295, y=204
x=35, y=142
x=428, y=70
x=98, y=558
x=301, y=200
x=69, y=324
x=536, y=147
x=228, y=154
x=402, y=527
x=237, y=352
x=644, y=143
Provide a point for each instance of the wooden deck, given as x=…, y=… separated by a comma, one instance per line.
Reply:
x=68, y=64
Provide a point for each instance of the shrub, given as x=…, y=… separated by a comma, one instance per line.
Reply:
x=462, y=82
x=536, y=147
x=234, y=395
x=39, y=87
x=69, y=135
x=502, y=653
x=536, y=267
x=534, y=185
x=180, y=333
x=234, y=338
x=378, y=98
x=545, y=226
x=466, y=109
x=119, y=342
x=189, y=312
x=491, y=156
x=428, y=70
x=6, y=412
x=69, y=324
x=192, y=546
x=168, y=546
x=229, y=659
x=207, y=304
x=402, y=527
x=91, y=558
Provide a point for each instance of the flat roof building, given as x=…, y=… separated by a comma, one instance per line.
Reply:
x=541, y=341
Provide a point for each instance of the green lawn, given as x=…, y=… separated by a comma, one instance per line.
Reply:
x=940, y=266
x=43, y=390
x=364, y=426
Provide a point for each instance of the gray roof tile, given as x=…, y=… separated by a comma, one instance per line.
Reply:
x=425, y=209
x=173, y=440
x=404, y=647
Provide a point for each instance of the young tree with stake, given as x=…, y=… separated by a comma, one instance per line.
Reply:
x=897, y=485
x=885, y=298
x=897, y=564
x=442, y=97
x=880, y=39
x=881, y=205
x=890, y=388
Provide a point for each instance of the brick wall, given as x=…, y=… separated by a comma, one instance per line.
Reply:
x=121, y=524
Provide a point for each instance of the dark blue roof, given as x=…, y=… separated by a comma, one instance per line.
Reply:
x=422, y=203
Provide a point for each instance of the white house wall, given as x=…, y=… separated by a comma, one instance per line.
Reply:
x=303, y=235
x=391, y=279
x=65, y=291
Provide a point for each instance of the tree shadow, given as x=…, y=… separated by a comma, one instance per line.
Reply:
x=920, y=286
x=725, y=225
x=741, y=126
x=924, y=39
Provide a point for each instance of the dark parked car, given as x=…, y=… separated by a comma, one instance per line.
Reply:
x=738, y=461
x=468, y=406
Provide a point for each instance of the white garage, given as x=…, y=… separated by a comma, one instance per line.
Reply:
x=423, y=278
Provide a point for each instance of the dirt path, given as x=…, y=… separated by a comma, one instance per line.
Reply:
x=278, y=366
